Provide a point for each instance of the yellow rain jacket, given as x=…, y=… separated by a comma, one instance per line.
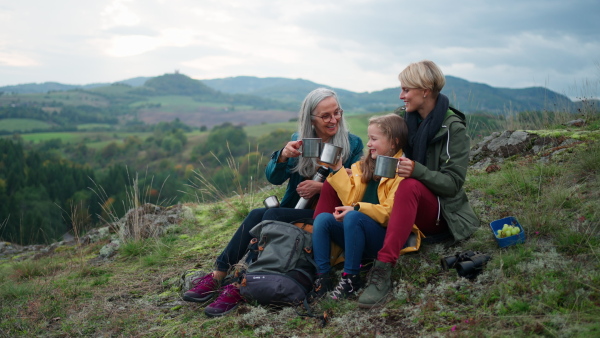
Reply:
x=350, y=189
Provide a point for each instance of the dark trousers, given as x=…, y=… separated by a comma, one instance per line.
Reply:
x=238, y=244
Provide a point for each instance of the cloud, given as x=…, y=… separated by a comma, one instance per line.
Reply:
x=118, y=14
x=16, y=60
x=357, y=45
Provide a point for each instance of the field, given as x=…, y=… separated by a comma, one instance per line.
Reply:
x=21, y=125
x=94, y=126
x=75, y=98
x=97, y=138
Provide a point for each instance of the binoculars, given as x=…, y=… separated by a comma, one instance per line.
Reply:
x=468, y=264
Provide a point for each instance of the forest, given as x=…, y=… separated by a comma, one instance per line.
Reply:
x=47, y=187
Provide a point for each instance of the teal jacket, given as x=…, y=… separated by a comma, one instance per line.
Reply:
x=445, y=173
x=278, y=173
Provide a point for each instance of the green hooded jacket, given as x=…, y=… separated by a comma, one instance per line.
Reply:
x=445, y=172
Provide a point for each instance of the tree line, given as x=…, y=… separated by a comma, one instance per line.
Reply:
x=52, y=187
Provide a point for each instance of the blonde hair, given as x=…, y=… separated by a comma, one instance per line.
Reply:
x=394, y=128
x=423, y=75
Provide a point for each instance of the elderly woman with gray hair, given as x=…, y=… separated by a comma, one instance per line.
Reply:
x=321, y=116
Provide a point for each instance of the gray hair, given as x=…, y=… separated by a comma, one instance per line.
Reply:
x=307, y=167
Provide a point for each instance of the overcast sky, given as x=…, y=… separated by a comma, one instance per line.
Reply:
x=358, y=45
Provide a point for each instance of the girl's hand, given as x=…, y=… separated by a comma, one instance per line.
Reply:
x=309, y=188
x=290, y=150
x=405, y=167
x=340, y=212
x=334, y=167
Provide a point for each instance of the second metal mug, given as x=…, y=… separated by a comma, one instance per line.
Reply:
x=311, y=147
x=386, y=166
x=330, y=154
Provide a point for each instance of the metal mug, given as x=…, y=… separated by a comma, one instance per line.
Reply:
x=311, y=147
x=386, y=166
x=271, y=202
x=330, y=154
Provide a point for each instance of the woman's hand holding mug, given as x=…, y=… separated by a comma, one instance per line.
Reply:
x=290, y=150
x=405, y=167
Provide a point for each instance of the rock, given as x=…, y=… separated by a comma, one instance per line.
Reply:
x=499, y=146
x=492, y=168
x=110, y=249
x=576, y=123
x=187, y=278
x=148, y=220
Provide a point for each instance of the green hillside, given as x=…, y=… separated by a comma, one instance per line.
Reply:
x=470, y=97
x=15, y=125
x=546, y=286
x=161, y=99
x=240, y=100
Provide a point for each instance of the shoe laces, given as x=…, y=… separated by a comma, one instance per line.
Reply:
x=377, y=276
x=205, y=280
x=340, y=289
x=229, y=291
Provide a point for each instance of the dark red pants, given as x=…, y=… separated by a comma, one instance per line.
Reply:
x=413, y=204
x=328, y=200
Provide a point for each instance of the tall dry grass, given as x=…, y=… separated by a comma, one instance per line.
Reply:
x=206, y=189
x=132, y=228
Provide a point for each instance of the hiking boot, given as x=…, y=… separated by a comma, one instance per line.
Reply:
x=206, y=287
x=322, y=285
x=378, y=287
x=228, y=300
x=347, y=287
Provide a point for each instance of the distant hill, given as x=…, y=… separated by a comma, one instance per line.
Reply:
x=471, y=97
x=240, y=100
x=134, y=103
x=45, y=87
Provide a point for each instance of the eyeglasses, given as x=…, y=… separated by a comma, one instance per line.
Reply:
x=327, y=117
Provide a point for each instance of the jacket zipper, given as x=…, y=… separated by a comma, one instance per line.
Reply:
x=437, y=222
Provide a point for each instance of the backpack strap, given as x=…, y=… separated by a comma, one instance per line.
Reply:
x=305, y=224
x=324, y=317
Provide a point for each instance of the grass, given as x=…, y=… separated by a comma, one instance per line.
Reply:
x=185, y=104
x=547, y=286
x=23, y=125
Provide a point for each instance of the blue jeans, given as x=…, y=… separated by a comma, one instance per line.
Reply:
x=236, y=248
x=359, y=235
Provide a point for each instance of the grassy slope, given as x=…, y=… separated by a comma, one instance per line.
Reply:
x=23, y=124
x=547, y=286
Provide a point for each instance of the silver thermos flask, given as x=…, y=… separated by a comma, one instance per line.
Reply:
x=319, y=177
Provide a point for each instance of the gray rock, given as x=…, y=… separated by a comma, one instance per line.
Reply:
x=110, y=249
x=576, y=123
x=187, y=278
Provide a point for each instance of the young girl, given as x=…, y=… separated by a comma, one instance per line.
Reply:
x=359, y=224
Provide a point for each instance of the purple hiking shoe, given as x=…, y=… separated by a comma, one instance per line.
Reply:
x=206, y=287
x=228, y=300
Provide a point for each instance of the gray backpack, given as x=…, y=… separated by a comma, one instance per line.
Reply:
x=282, y=270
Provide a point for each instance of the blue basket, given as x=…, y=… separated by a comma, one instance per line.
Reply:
x=507, y=241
